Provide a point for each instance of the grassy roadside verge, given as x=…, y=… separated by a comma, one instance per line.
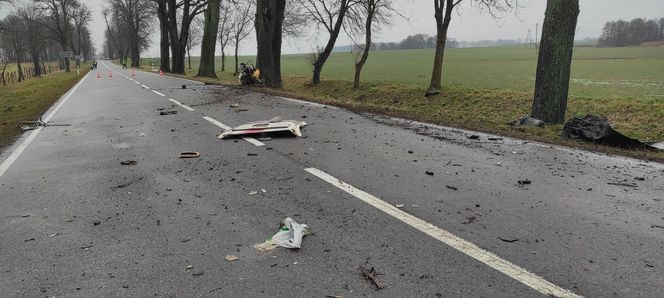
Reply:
x=30, y=99
x=480, y=110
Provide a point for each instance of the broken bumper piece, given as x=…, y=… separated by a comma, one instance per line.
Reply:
x=292, y=126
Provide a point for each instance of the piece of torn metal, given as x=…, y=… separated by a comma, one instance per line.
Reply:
x=274, y=125
x=192, y=154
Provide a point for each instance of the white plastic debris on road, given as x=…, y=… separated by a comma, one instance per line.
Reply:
x=289, y=236
x=263, y=127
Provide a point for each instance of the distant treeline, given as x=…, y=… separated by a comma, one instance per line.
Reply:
x=424, y=41
x=623, y=33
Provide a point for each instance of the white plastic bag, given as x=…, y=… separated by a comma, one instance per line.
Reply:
x=289, y=236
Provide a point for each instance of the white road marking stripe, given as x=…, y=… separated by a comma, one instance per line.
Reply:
x=146, y=87
x=490, y=259
x=19, y=150
x=254, y=141
x=226, y=127
x=306, y=102
x=217, y=123
x=181, y=105
x=158, y=93
x=137, y=82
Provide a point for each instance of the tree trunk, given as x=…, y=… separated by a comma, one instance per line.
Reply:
x=178, y=41
x=135, y=53
x=442, y=24
x=21, y=75
x=268, y=22
x=189, y=57
x=555, y=60
x=367, y=45
x=209, y=43
x=36, y=65
x=223, y=60
x=322, y=57
x=164, y=44
x=236, y=59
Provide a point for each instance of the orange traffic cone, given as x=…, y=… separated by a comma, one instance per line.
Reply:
x=98, y=75
x=161, y=73
x=133, y=74
x=110, y=74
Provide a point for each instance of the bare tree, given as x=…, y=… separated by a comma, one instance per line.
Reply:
x=208, y=48
x=243, y=25
x=81, y=17
x=33, y=33
x=443, y=14
x=367, y=15
x=225, y=30
x=330, y=15
x=178, y=35
x=58, y=21
x=13, y=41
x=164, y=30
x=268, y=22
x=195, y=37
x=555, y=60
x=136, y=16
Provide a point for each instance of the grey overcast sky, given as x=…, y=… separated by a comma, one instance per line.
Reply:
x=468, y=24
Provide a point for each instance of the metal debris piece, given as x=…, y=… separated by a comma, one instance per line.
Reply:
x=231, y=258
x=510, y=240
x=262, y=127
x=164, y=113
x=370, y=275
x=192, y=154
x=128, y=163
x=524, y=182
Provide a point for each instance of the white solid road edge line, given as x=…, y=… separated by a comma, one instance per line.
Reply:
x=186, y=107
x=226, y=127
x=19, y=150
x=158, y=93
x=490, y=259
x=146, y=87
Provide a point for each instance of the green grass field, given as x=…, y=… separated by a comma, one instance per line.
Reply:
x=30, y=99
x=596, y=72
x=485, y=88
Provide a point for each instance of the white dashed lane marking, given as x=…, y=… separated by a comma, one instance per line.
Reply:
x=488, y=258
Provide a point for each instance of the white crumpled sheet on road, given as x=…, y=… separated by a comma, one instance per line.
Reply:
x=289, y=236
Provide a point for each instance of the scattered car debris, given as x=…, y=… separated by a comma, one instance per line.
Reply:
x=128, y=163
x=524, y=182
x=271, y=126
x=598, y=130
x=527, y=121
x=495, y=139
x=253, y=193
x=197, y=273
x=29, y=239
x=430, y=173
x=333, y=296
x=399, y=205
x=510, y=240
x=252, y=154
x=473, y=137
x=190, y=267
x=164, y=113
x=370, y=275
x=191, y=154
x=235, y=105
x=184, y=86
x=290, y=235
x=53, y=235
x=469, y=220
x=640, y=178
x=659, y=145
x=451, y=187
x=623, y=184
x=231, y=258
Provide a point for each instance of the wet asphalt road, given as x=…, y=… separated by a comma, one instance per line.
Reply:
x=75, y=222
